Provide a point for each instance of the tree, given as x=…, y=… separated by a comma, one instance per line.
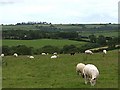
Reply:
x=69, y=48
x=92, y=38
x=50, y=49
x=101, y=40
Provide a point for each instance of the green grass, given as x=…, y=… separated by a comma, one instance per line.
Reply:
x=41, y=42
x=43, y=72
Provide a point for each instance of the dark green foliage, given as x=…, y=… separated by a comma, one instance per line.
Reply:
x=69, y=49
x=20, y=49
x=92, y=38
x=6, y=50
x=88, y=46
x=101, y=40
x=50, y=49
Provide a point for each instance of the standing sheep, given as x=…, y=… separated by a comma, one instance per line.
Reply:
x=79, y=69
x=91, y=74
x=104, y=52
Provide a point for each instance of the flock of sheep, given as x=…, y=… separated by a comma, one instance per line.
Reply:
x=89, y=71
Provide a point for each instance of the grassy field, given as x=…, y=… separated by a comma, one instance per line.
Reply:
x=41, y=42
x=44, y=72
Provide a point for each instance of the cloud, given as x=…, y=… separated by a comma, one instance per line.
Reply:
x=7, y=2
x=59, y=11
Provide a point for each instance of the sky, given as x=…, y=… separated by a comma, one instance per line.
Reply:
x=59, y=11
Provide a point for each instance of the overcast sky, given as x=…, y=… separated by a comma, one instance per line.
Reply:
x=59, y=11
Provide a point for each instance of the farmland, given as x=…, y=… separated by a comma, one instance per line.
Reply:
x=38, y=43
x=43, y=72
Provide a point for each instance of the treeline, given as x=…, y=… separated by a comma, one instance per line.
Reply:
x=24, y=50
x=31, y=34
x=31, y=23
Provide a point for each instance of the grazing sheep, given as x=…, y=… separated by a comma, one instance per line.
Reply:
x=43, y=53
x=88, y=52
x=54, y=56
x=91, y=74
x=15, y=55
x=79, y=69
x=2, y=55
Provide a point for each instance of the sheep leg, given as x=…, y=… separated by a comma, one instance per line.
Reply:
x=86, y=79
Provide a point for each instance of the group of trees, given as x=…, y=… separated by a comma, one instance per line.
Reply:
x=24, y=50
x=31, y=34
x=102, y=40
x=32, y=23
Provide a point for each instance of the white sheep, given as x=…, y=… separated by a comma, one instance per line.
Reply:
x=104, y=51
x=88, y=52
x=79, y=69
x=43, y=53
x=54, y=56
x=2, y=55
x=91, y=74
x=31, y=57
x=15, y=55
x=55, y=53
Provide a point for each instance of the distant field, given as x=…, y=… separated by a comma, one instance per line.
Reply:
x=104, y=33
x=43, y=72
x=41, y=42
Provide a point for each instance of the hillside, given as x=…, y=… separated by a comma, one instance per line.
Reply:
x=42, y=42
x=22, y=72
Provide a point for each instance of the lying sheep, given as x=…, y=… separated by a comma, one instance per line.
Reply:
x=31, y=57
x=54, y=56
x=43, y=53
x=15, y=55
x=88, y=52
x=91, y=74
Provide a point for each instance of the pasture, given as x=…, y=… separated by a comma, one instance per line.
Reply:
x=38, y=43
x=44, y=72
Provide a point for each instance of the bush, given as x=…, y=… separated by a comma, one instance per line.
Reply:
x=6, y=50
x=88, y=46
x=49, y=49
x=20, y=49
x=69, y=49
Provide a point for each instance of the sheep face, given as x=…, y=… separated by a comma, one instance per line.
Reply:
x=93, y=81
